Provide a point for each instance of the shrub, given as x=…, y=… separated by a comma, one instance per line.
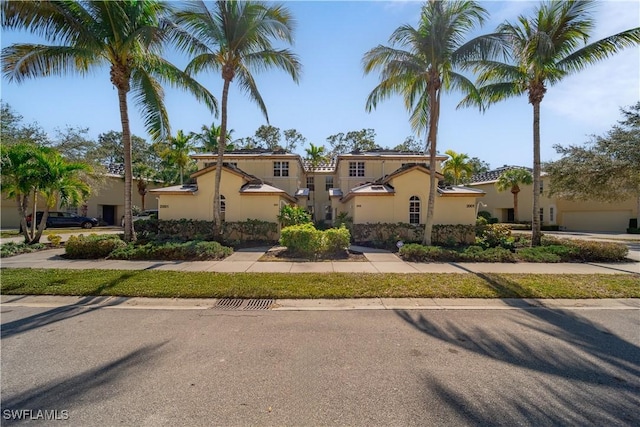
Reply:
x=589, y=251
x=193, y=251
x=303, y=239
x=55, y=239
x=496, y=254
x=335, y=240
x=632, y=230
x=495, y=235
x=11, y=248
x=293, y=215
x=189, y=229
x=550, y=253
x=419, y=253
x=92, y=246
x=306, y=241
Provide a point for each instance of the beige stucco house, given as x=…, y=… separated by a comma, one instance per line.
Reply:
x=377, y=186
x=568, y=215
x=105, y=203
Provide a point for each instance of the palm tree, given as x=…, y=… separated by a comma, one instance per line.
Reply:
x=177, y=152
x=538, y=52
x=209, y=138
x=423, y=67
x=236, y=39
x=128, y=36
x=511, y=180
x=457, y=166
x=315, y=155
x=31, y=171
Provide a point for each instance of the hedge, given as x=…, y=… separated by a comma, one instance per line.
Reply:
x=386, y=235
x=190, y=229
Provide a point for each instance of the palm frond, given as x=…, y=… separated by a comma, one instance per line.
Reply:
x=599, y=50
x=248, y=85
x=149, y=96
x=23, y=61
x=283, y=59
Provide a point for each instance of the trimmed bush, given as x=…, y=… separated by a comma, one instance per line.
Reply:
x=92, y=246
x=386, y=235
x=420, y=253
x=55, y=239
x=306, y=241
x=189, y=229
x=192, y=251
x=551, y=253
x=335, y=240
x=303, y=240
x=589, y=251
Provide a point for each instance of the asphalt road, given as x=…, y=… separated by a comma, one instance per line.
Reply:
x=142, y=367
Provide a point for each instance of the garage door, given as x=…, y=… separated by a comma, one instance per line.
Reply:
x=596, y=220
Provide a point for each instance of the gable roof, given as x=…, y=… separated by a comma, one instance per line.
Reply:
x=406, y=169
x=460, y=191
x=230, y=168
x=262, y=189
x=370, y=189
x=176, y=189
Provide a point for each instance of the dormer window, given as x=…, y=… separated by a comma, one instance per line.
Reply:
x=280, y=168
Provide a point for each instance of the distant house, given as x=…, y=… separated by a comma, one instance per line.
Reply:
x=590, y=215
x=105, y=203
x=374, y=186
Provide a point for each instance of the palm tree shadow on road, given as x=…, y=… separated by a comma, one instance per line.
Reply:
x=576, y=371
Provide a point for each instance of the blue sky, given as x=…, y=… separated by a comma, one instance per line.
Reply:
x=331, y=38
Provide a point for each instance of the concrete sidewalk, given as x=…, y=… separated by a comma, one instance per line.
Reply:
x=247, y=260
x=136, y=303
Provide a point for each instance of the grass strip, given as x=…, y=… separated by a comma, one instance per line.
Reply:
x=173, y=284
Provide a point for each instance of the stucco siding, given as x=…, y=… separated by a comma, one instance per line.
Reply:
x=455, y=210
x=373, y=209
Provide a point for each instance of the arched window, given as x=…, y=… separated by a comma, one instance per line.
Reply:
x=414, y=210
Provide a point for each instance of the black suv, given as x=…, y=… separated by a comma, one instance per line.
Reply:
x=64, y=219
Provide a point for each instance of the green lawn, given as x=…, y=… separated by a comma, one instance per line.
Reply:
x=334, y=285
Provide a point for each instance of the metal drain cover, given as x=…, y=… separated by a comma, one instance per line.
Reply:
x=242, y=304
x=258, y=304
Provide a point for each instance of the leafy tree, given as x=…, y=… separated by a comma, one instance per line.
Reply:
x=268, y=137
x=236, y=39
x=479, y=166
x=356, y=140
x=606, y=168
x=419, y=65
x=457, y=167
x=293, y=138
x=30, y=171
x=128, y=36
x=539, y=51
x=511, y=180
x=209, y=138
x=315, y=156
x=293, y=215
x=177, y=152
x=12, y=129
x=247, y=143
x=410, y=144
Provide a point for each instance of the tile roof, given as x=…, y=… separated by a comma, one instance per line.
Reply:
x=494, y=174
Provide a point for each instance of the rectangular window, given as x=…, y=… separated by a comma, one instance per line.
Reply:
x=541, y=215
x=311, y=183
x=328, y=183
x=280, y=168
x=541, y=186
x=414, y=211
x=552, y=214
x=356, y=168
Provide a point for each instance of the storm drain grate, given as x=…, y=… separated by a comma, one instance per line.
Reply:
x=239, y=304
x=228, y=304
x=258, y=304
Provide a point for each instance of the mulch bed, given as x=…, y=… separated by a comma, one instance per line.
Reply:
x=282, y=254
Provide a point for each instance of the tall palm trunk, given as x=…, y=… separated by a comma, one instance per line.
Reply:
x=221, y=147
x=129, y=233
x=536, y=235
x=434, y=115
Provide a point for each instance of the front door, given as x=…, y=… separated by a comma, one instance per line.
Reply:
x=109, y=214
